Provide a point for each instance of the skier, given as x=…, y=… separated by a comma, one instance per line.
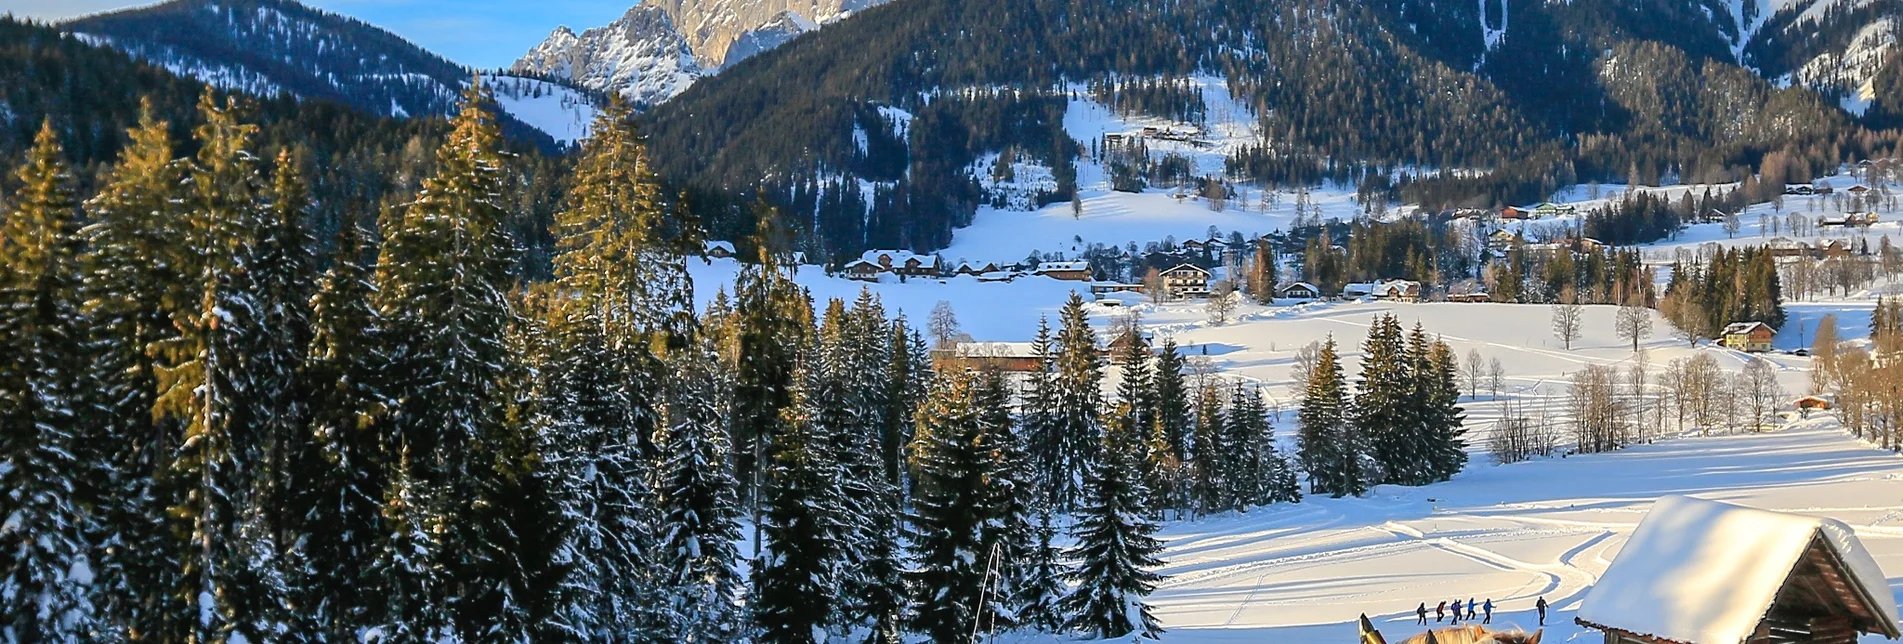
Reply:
x=1471, y=609
x=1542, y=606
x=1440, y=612
x=1489, y=608
x=1420, y=613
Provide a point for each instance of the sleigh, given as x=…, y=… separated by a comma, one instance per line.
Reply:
x=1470, y=634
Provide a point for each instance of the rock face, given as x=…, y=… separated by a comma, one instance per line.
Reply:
x=660, y=47
x=641, y=56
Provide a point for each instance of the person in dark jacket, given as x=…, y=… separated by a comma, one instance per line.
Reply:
x=1472, y=610
x=1420, y=613
x=1541, y=604
x=1440, y=612
x=1456, y=612
x=1488, y=607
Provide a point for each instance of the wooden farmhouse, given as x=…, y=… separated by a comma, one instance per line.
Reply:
x=1008, y=357
x=1075, y=271
x=1749, y=337
x=1301, y=291
x=1809, y=403
x=1704, y=572
x=718, y=249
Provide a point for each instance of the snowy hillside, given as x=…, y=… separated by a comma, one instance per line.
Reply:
x=560, y=111
x=268, y=47
x=641, y=56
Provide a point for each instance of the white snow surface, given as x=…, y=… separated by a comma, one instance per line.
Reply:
x=1705, y=571
x=563, y=113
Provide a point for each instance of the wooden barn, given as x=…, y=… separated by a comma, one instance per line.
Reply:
x=1704, y=572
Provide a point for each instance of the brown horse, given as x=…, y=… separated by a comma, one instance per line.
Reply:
x=1470, y=634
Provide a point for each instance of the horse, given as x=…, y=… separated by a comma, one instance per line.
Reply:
x=1469, y=634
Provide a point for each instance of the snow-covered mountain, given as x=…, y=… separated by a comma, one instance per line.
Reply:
x=660, y=47
x=268, y=47
x=273, y=47
x=641, y=55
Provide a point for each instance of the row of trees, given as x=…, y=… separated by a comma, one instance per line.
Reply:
x=209, y=436
x=1402, y=425
x=1735, y=285
x=1607, y=408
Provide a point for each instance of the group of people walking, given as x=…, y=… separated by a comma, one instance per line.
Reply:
x=1474, y=610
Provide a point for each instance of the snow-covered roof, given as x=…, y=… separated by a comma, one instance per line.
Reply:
x=861, y=262
x=712, y=246
x=1740, y=328
x=1707, y=572
x=1301, y=285
x=1078, y=265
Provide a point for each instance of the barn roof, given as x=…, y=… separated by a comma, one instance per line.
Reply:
x=1708, y=572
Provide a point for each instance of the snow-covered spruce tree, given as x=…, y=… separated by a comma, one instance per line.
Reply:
x=1039, y=418
x=210, y=386
x=795, y=594
x=1208, y=477
x=1243, y=448
x=904, y=383
x=1041, y=587
x=875, y=587
x=409, y=584
x=1168, y=441
x=1078, y=408
x=1329, y=450
x=442, y=279
x=622, y=307
x=518, y=526
x=952, y=564
x=1445, y=418
x=1382, y=410
x=282, y=277
x=698, y=506
x=1011, y=500
x=43, y=550
x=134, y=286
x=339, y=485
x=1115, y=548
x=774, y=318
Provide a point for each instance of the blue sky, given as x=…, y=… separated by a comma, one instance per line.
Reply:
x=480, y=33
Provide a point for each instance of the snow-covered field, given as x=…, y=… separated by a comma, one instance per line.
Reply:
x=1302, y=573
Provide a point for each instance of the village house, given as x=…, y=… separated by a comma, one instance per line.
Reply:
x=1832, y=248
x=1810, y=403
x=1101, y=289
x=1073, y=271
x=1301, y=291
x=1398, y=291
x=1706, y=572
x=1749, y=337
x=718, y=249
x=863, y=270
x=1471, y=298
x=1502, y=240
x=902, y=263
x=976, y=268
x=1008, y=357
x=1787, y=247
x=1186, y=280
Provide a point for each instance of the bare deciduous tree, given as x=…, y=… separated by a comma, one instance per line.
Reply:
x=1566, y=323
x=1760, y=392
x=1476, y=372
x=1303, y=366
x=1634, y=323
x=943, y=325
x=1496, y=376
x=1222, y=302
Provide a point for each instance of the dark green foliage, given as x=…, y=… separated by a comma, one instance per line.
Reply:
x=1115, y=550
x=42, y=470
